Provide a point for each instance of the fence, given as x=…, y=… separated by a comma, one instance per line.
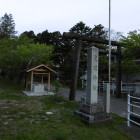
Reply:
x=132, y=102
x=125, y=87
x=128, y=87
x=101, y=86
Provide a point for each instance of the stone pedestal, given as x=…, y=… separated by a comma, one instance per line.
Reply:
x=95, y=118
x=91, y=111
x=91, y=108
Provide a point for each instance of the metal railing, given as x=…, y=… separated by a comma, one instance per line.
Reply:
x=125, y=87
x=101, y=86
x=132, y=103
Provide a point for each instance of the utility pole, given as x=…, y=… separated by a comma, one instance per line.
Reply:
x=109, y=55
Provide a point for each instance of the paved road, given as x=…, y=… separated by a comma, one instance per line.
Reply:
x=118, y=106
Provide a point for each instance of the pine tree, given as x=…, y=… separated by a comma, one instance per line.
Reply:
x=7, y=26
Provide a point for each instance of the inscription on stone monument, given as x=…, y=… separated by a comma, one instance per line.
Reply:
x=92, y=76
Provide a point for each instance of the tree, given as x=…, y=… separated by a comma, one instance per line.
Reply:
x=80, y=28
x=43, y=37
x=19, y=54
x=115, y=36
x=7, y=26
x=30, y=34
x=99, y=32
x=70, y=54
x=64, y=49
x=131, y=53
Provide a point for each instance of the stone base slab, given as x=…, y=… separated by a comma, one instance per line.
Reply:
x=30, y=93
x=91, y=108
x=95, y=118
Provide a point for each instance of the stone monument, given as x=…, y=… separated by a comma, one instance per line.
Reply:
x=91, y=111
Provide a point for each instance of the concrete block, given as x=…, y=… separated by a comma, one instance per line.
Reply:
x=38, y=88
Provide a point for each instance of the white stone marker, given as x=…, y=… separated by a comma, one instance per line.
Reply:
x=92, y=76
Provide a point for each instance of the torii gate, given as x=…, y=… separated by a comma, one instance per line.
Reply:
x=80, y=39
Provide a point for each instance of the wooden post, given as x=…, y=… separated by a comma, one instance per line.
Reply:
x=42, y=79
x=48, y=81
x=119, y=73
x=31, y=80
x=75, y=71
x=26, y=83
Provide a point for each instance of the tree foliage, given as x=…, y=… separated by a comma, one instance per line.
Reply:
x=98, y=32
x=64, y=49
x=131, y=52
x=80, y=28
x=19, y=54
x=29, y=34
x=7, y=26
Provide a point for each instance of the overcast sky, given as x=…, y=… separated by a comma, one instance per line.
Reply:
x=61, y=15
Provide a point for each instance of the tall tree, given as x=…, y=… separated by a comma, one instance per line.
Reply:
x=7, y=26
x=98, y=33
x=80, y=28
x=131, y=53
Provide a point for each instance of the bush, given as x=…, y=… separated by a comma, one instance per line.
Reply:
x=57, y=87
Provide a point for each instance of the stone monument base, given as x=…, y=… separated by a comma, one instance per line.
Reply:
x=91, y=108
x=95, y=118
x=92, y=114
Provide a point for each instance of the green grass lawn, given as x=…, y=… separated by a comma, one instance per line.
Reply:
x=25, y=118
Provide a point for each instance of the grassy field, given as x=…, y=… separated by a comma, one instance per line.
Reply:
x=25, y=118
